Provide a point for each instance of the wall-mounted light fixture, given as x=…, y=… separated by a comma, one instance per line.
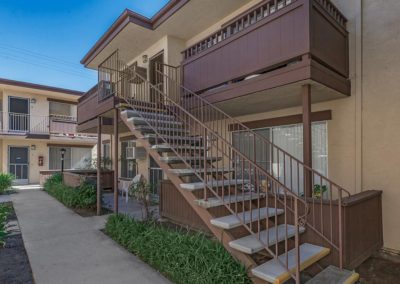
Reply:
x=33, y=147
x=145, y=58
x=33, y=101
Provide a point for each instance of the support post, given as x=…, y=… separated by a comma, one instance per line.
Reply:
x=98, y=204
x=307, y=140
x=115, y=158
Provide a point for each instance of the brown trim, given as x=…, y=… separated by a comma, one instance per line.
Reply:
x=39, y=87
x=69, y=145
x=127, y=138
x=127, y=17
x=37, y=136
x=284, y=120
x=107, y=141
x=62, y=101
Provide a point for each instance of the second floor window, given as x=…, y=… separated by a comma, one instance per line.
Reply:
x=60, y=109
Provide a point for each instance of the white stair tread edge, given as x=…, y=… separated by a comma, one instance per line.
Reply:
x=215, y=183
x=251, y=244
x=145, y=120
x=168, y=146
x=188, y=158
x=215, y=201
x=274, y=272
x=145, y=113
x=233, y=221
x=198, y=170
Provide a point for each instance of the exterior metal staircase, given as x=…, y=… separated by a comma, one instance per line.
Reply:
x=256, y=214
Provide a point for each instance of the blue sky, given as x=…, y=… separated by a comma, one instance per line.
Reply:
x=42, y=41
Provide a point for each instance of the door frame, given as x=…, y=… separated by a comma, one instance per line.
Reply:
x=20, y=181
x=152, y=72
x=28, y=114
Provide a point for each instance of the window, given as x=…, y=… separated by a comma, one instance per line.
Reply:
x=155, y=176
x=290, y=139
x=107, y=155
x=128, y=166
x=74, y=158
x=59, y=109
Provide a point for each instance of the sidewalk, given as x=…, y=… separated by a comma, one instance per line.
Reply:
x=66, y=248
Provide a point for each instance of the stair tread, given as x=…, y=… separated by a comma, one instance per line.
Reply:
x=144, y=121
x=235, y=220
x=335, y=275
x=215, y=201
x=148, y=128
x=168, y=147
x=176, y=159
x=135, y=113
x=192, y=138
x=214, y=183
x=274, y=272
x=186, y=172
x=251, y=244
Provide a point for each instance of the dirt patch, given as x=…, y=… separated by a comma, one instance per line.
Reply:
x=380, y=269
x=90, y=212
x=14, y=263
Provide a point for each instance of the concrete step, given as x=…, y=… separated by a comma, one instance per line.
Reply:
x=152, y=115
x=185, y=139
x=274, y=272
x=164, y=130
x=215, y=201
x=335, y=275
x=236, y=220
x=190, y=172
x=145, y=121
x=251, y=244
x=215, y=183
x=168, y=148
x=191, y=160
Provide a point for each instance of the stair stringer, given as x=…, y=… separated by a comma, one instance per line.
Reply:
x=222, y=235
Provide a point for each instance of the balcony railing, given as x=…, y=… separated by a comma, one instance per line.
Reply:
x=24, y=124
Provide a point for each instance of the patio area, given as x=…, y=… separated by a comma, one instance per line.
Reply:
x=132, y=208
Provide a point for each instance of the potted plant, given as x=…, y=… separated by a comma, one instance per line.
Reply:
x=319, y=190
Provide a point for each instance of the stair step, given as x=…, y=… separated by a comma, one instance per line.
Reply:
x=168, y=130
x=251, y=244
x=235, y=220
x=215, y=183
x=335, y=275
x=215, y=201
x=190, y=172
x=145, y=121
x=168, y=148
x=191, y=139
x=274, y=272
x=134, y=113
x=178, y=160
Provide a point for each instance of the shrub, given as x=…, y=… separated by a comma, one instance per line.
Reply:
x=5, y=182
x=4, y=211
x=83, y=196
x=181, y=256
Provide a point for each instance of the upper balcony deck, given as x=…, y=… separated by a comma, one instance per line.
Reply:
x=276, y=43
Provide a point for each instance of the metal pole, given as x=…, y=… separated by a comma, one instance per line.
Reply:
x=98, y=205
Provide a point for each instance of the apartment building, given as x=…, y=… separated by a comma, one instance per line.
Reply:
x=36, y=122
x=251, y=106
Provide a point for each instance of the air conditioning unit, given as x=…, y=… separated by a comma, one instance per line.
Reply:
x=130, y=153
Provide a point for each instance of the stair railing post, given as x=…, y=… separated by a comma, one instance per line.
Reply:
x=340, y=231
x=205, y=162
x=297, y=240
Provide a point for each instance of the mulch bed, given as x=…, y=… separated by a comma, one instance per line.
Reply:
x=90, y=212
x=14, y=263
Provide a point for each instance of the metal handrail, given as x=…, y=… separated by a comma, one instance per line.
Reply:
x=138, y=97
x=313, y=180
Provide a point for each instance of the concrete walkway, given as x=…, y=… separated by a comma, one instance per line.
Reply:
x=66, y=248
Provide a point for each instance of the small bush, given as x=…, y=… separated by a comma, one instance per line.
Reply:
x=5, y=182
x=83, y=196
x=4, y=211
x=181, y=256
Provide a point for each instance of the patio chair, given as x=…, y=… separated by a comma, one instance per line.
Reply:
x=124, y=185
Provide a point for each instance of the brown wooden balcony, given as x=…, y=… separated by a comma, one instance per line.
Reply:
x=274, y=44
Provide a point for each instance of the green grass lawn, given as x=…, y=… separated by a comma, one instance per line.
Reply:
x=182, y=256
x=4, y=211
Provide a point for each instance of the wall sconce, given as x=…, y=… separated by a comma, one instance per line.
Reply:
x=33, y=101
x=145, y=58
x=33, y=147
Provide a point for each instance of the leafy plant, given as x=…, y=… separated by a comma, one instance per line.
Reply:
x=5, y=182
x=141, y=191
x=105, y=163
x=4, y=211
x=182, y=256
x=319, y=190
x=83, y=196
